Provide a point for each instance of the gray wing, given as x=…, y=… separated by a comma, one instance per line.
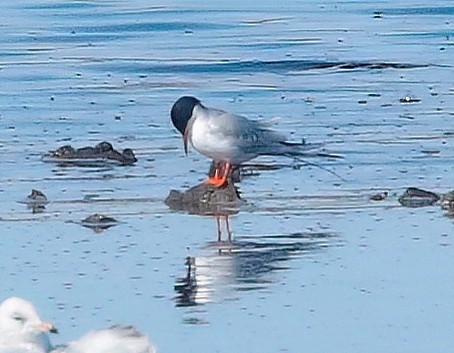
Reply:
x=115, y=339
x=251, y=136
x=246, y=139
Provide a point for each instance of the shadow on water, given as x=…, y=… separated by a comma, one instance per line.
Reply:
x=420, y=10
x=253, y=66
x=151, y=27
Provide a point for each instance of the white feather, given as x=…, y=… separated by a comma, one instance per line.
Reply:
x=21, y=328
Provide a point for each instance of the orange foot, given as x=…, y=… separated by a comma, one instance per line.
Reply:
x=220, y=176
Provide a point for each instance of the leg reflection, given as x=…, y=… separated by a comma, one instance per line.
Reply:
x=227, y=228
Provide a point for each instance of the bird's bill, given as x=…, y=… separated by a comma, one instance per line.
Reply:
x=185, y=141
x=187, y=134
x=46, y=327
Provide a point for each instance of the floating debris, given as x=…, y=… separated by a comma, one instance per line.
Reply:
x=409, y=99
x=378, y=14
x=36, y=201
x=430, y=152
x=414, y=197
x=447, y=202
x=379, y=196
x=101, y=152
x=37, y=196
x=407, y=116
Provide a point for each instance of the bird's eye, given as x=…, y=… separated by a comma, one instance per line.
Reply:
x=19, y=318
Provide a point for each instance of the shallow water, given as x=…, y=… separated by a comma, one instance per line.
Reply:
x=316, y=265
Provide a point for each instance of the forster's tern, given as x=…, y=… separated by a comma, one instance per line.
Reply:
x=229, y=139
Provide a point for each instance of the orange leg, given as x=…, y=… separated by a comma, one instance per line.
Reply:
x=220, y=176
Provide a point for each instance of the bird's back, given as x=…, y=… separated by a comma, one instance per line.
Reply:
x=115, y=339
x=223, y=136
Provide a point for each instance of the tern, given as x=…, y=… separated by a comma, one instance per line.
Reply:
x=229, y=139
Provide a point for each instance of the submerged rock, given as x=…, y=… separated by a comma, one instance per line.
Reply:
x=447, y=202
x=204, y=199
x=102, y=151
x=37, y=196
x=379, y=196
x=414, y=197
x=208, y=200
x=99, y=222
x=36, y=201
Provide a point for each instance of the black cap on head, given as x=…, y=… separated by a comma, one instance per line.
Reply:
x=182, y=111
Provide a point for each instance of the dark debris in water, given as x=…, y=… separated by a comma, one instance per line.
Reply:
x=409, y=99
x=86, y=156
x=99, y=222
x=414, y=197
x=447, y=203
x=36, y=201
x=378, y=14
x=379, y=196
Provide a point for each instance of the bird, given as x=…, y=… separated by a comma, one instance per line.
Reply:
x=21, y=328
x=230, y=139
x=115, y=339
x=23, y=331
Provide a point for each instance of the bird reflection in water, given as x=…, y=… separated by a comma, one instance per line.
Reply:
x=247, y=265
x=204, y=200
x=227, y=227
x=224, y=268
x=186, y=287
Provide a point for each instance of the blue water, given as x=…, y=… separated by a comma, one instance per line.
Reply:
x=315, y=266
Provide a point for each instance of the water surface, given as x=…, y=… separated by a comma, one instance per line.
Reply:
x=316, y=266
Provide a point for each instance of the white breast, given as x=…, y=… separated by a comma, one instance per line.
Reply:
x=207, y=137
x=218, y=135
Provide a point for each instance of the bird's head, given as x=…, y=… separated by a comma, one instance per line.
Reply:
x=181, y=113
x=19, y=317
